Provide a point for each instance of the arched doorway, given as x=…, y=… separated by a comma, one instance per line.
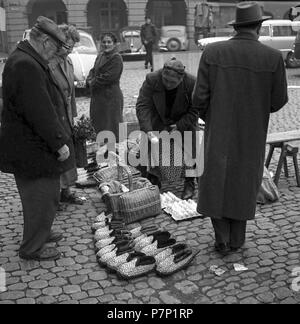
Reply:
x=167, y=12
x=106, y=16
x=53, y=9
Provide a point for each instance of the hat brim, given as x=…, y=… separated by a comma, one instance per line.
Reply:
x=249, y=22
x=53, y=36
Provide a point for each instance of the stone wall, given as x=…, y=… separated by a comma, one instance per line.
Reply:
x=17, y=16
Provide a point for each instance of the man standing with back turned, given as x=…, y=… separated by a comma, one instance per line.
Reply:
x=240, y=82
x=35, y=140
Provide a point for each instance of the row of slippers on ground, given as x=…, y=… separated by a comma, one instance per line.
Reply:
x=140, y=251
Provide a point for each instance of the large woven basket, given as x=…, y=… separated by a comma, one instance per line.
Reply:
x=142, y=201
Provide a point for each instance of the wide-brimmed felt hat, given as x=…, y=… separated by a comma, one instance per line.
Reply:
x=50, y=28
x=248, y=13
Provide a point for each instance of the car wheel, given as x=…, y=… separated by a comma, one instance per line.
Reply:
x=173, y=45
x=291, y=61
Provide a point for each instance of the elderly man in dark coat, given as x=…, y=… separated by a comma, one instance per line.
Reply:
x=240, y=82
x=165, y=104
x=35, y=140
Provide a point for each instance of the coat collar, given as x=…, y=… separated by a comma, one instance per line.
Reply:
x=159, y=97
x=65, y=66
x=25, y=46
x=246, y=35
x=104, y=58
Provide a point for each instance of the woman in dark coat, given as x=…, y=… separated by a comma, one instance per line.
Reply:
x=106, y=108
x=62, y=69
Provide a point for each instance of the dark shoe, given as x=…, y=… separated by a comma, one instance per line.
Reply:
x=54, y=237
x=146, y=66
x=235, y=249
x=45, y=254
x=189, y=189
x=222, y=248
x=152, y=69
x=71, y=199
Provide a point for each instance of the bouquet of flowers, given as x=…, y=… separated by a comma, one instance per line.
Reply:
x=83, y=130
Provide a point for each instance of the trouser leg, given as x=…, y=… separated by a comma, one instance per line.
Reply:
x=237, y=233
x=149, y=54
x=222, y=230
x=40, y=200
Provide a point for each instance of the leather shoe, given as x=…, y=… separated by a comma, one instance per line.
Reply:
x=55, y=237
x=45, y=254
x=222, y=248
x=234, y=249
x=189, y=189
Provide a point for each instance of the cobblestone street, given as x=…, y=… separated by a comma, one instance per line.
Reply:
x=271, y=253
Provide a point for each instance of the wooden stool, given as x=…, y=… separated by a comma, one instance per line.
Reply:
x=286, y=151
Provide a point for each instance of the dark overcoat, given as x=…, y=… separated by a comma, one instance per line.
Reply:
x=106, y=109
x=151, y=110
x=151, y=105
x=240, y=82
x=34, y=124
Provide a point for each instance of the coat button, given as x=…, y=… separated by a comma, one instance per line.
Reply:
x=59, y=136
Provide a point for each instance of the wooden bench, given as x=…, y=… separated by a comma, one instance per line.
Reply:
x=281, y=140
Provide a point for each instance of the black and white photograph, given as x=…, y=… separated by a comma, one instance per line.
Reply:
x=149, y=155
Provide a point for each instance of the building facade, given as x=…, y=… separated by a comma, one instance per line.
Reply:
x=97, y=16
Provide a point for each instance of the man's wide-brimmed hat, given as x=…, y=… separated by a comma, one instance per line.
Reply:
x=248, y=13
x=50, y=28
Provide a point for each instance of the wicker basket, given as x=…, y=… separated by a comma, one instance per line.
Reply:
x=142, y=201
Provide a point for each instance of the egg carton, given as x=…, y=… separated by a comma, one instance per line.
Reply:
x=178, y=209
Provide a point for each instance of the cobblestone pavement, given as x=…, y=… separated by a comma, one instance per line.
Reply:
x=271, y=253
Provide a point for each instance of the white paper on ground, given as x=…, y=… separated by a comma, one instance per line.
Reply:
x=239, y=267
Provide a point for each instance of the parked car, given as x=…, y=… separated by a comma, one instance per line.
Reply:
x=83, y=57
x=3, y=58
x=130, y=46
x=278, y=34
x=173, y=38
x=296, y=47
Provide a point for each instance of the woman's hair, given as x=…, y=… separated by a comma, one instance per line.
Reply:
x=111, y=35
x=71, y=32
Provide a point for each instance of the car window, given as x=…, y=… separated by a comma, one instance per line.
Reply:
x=279, y=31
x=85, y=45
x=265, y=31
x=131, y=33
x=172, y=33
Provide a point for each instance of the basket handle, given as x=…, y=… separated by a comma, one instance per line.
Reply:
x=122, y=166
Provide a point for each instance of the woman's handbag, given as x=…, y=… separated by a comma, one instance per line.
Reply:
x=140, y=202
x=268, y=192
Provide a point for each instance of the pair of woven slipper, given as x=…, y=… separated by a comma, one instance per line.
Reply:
x=174, y=259
x=136, y=265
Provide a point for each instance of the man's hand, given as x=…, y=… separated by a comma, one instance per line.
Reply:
x=64, y=153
